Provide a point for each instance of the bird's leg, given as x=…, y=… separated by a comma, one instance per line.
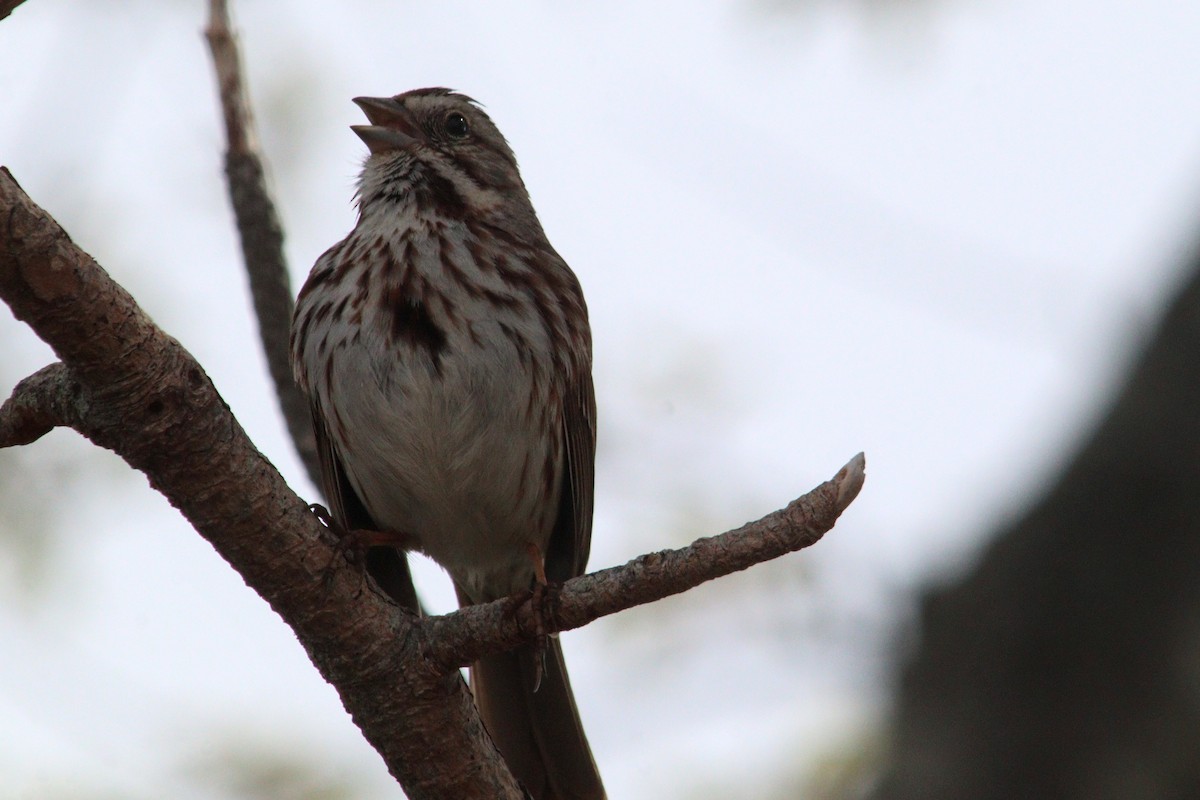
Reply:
x=543, y=601
x=354, y=544
x=544, y=596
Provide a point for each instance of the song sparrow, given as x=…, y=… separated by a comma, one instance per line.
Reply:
x=445, y=348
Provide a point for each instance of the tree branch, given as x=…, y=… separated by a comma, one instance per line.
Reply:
x=456, y=640
x=260, y=233
x=129, y=387
x=8, y=6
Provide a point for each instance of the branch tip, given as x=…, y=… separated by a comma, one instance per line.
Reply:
x=849, y=481
x=34, y=408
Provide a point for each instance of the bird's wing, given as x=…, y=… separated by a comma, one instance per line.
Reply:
x=571, y=541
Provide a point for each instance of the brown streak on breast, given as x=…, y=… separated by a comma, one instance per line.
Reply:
x=519, y=343
x=453, y=271
x=413, y=325
x=479, y=253
x=440, y=196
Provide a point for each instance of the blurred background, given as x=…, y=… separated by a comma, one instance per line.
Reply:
x=940, y=231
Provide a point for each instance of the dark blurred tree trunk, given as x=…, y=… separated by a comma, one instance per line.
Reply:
x=1067, y=663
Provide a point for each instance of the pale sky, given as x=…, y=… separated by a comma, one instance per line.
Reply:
x=930, y=231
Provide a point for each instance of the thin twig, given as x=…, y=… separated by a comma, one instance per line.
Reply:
x=260, y=232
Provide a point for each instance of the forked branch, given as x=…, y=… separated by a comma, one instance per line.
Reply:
x=130, y=387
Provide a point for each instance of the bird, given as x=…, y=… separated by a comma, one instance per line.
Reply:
x=445, y=349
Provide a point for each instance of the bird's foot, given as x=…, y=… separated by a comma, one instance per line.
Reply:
x=542, y=597
x=352, y=545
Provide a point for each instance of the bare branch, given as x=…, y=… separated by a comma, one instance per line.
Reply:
x=260, y=233
x=457, y=639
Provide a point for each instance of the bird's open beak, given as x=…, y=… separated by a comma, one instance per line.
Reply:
x=391, y=128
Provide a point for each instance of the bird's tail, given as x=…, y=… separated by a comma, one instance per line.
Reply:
x=538, y=732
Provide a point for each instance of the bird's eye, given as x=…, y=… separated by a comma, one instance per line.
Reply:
x=456, y=126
